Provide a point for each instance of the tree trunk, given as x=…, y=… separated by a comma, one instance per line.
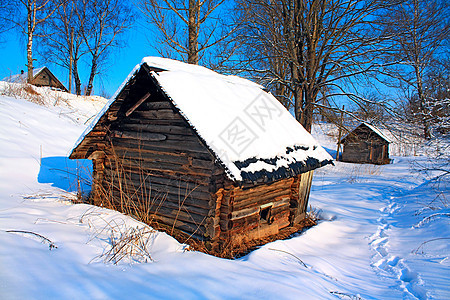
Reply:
x=418, y=71
x=423, y=106
x=90, y=85
x=30, y=44
x=70, y=59
x=76, y=78
x=308, y=111
x=193, y=28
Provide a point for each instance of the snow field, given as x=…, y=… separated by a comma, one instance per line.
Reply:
x=365, y=247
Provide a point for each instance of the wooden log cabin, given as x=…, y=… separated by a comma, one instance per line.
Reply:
x=41, y=77
x=212, y=155
x=365, y=144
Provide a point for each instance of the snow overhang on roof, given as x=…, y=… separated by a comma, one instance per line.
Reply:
x=248, y=130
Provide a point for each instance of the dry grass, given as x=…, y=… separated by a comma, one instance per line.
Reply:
x=138, y=200
x=129, y=245
x=361, y=172
x=22, y=90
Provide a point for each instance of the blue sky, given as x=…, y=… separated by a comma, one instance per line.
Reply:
x=13, y=59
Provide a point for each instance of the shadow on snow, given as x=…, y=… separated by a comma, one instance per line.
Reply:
x=67, y=174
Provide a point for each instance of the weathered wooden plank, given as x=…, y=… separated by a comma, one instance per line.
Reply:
x=263, y=199
x=184, y=226
x=157, y=122
x=166, y=146
x=170, y=173
x=142, y=136
x=243, y=194
x=171, y=129
x=136, y=154
x=156, y=105
x=158, y=157
x=243, y=213
x=135, y=183
x=161, y=207
x=164, y=166
x=159, y=114
x=135, y=148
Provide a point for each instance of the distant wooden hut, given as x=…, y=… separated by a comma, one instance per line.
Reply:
x=365, y=144
x=41, y=77
x=212, y=155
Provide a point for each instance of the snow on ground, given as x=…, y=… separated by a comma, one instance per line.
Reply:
x=365, y=248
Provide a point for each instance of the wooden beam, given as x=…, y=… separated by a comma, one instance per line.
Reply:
x=133, y=108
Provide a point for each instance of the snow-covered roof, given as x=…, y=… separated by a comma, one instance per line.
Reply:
x=248, y=130
x=371, y=127
x=19, y=78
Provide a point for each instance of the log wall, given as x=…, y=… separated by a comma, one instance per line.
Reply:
x=260, y=211
x=149, y=160
x=365, y=146
x=45, y=78
x=155, y=162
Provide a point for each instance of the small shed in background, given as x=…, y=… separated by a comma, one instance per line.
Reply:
x=41, y=77
x=365, y=144
x=211, y=155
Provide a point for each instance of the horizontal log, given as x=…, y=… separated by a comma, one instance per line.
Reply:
x=136, y=154
x=170, y=173
x=280, y=209
x=167, y=129
x=133, y=183
x=258, y=201
x=149, y=167
x=204, y=181
x=184, y=226
x=166, y=146
x=158, y=122
x=160, y=207
x=137, y=180
x=134, y=147
x=149, y=105
x=145, y=136
x=249, y=223
x=181, y=159
x=243, y=213
x=142, y=164
x=158, y=114
x=263, y=189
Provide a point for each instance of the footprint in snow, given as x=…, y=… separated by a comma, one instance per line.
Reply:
x=393, y=266
x=411, y=281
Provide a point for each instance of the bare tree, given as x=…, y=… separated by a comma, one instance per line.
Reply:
x=437, y=93
x=29, y=15
x=5, y=23
x=187, y=28
x=314, y=49
x=418, y=30
x=105, y=22
x=64, y=43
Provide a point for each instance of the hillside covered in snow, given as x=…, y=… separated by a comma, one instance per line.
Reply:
x=377, y=237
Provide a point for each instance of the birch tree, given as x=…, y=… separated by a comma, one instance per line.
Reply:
x=187, y=29
x=105, y=22
x=29, y=15
x=64, y=43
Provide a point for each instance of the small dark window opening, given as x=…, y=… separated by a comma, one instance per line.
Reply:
x=266, y=214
